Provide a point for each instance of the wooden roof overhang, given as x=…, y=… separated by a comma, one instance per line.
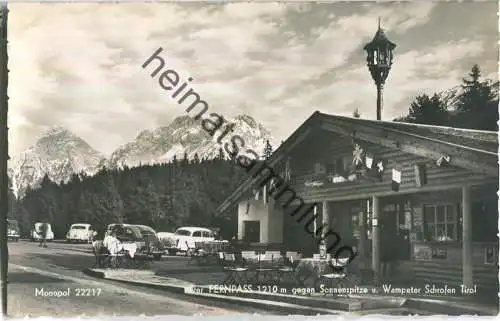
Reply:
x=473, y=150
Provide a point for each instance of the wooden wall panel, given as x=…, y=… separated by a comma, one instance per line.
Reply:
x=326, y=147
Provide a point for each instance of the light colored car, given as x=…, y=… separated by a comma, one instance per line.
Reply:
x=187, y=237
x=35, y=236
x=81, y=232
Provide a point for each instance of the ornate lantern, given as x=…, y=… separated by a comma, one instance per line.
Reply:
x=379, y=60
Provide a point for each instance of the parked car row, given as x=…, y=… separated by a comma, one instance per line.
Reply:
x=183, y=240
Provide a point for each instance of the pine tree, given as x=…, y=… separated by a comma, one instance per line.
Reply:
x=268, y=150
x=477, y=106
x=185, y=159
x=221, y=155
x=196, y=159
x=427, y=110
x=109, y=202
x=163, y=196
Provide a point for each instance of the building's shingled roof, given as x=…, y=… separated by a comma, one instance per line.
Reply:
x=484, y=143
x=477, y=139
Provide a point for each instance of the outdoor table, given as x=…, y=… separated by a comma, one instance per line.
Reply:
x=264, y=268
x=212, y=247
x=206, y=250
x=309, y=270
x=131, y=248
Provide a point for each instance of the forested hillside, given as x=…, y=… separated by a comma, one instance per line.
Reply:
x=163, y=196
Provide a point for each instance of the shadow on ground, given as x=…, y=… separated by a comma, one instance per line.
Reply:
x=75, y=262
x=28, y=277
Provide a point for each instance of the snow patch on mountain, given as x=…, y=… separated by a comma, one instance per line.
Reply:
x=187, y=135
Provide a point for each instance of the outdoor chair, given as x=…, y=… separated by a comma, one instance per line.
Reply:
x=197, y=253
x=101, y=255
x=249, y=256
x=250, y=259
x=236, y=272
x=103, y=259
x=288, y=266
x=265, y=268
x=142, y=259
x=116, y=261
x=338, y=276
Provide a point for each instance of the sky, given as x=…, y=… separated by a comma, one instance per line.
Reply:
x=79, y=65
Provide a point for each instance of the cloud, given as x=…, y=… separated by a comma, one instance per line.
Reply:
x=414, y=72
x=78, y=65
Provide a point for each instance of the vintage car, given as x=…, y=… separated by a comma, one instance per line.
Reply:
x=13, y=231
x=143, y=236
x=149, y=234
x=35, y=232
x=80, y=233
x=185, y=238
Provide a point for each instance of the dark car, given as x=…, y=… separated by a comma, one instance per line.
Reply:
x=13, y=230
x=143, y=236
x=156, y=248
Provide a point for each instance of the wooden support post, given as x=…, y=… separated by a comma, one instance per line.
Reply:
x=4, y=157
x=467, y=277
x=325, y=220
x=362, y=231
x=376, y=237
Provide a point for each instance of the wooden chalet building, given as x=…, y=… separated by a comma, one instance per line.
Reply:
x=434, y=186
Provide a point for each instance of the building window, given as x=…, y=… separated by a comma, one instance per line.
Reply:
x=337, y=166
x=440, y=222
x=319, y=168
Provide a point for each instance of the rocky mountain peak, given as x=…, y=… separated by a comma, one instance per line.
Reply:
x=58, y=153
x=185, y=135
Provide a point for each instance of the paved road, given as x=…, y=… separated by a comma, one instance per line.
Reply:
x=35, y=271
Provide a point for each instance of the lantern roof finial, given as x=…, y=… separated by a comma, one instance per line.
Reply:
x=380, y=39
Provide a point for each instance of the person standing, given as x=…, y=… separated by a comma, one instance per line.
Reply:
x=114, y=247
x=43, y=234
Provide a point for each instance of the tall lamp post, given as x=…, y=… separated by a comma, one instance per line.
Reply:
x=379, y=61
x=4, y=157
